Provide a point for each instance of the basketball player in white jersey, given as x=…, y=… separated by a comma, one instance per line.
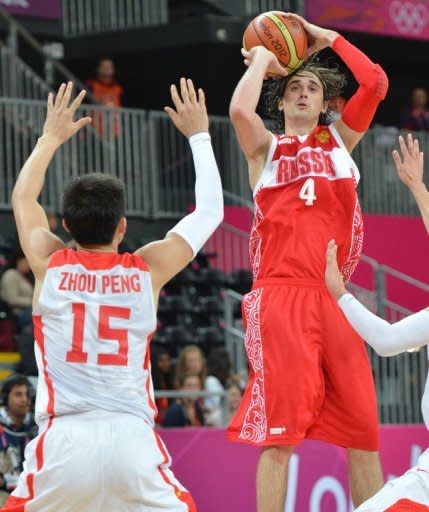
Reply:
x=94, y=313
x=410, y=492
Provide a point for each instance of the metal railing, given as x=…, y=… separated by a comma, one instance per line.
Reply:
x=89, y=16
x=250, y=8
x=380, y=189
x=17, y=79
x=144, y=148
x=117, y=144
x=230, y=246
x=255, y=7
x=39, y=67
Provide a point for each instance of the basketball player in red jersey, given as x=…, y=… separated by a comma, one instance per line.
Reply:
x=94, y=313
x=310, y=377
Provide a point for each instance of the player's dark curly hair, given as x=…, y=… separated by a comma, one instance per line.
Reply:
x=333, y=83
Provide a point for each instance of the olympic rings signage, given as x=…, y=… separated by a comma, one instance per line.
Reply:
x=400, y=18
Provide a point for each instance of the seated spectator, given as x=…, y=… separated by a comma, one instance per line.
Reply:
x=162, y=377
x=235, y=393
x=17, y=428
x=336, y=106
x=16, y=287
x=186, y=412
x=191, y=360
x=416, y=116
x=218, y=369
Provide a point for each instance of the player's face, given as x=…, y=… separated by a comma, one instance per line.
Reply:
x=18, y=401
x=303, y=97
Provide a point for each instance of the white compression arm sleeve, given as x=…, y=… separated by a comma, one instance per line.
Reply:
x=197, y=227
x=386, y=339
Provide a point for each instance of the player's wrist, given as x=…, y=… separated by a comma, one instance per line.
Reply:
x=418, y=189
x=49, y=141
x=339, y=292
x=330, y=37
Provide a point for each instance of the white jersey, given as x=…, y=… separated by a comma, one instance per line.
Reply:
x=93, y=326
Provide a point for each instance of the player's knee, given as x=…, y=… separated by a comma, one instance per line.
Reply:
x=363, y=456
x=278, y=454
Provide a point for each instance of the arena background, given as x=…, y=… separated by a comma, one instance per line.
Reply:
x=153, y=43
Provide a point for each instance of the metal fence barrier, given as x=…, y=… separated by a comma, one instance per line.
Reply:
x=89, y=16
x=116, y=144
x=155, y=160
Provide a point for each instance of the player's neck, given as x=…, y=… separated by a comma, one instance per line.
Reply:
x=299, y=126
x=98, y=248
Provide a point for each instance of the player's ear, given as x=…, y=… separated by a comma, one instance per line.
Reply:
x=280, y=105
x=325, y=107
x=122, y=226
x=63, y=222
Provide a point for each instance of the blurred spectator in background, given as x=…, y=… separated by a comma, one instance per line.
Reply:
x=218, y=370
x=17, y=428
x=162, y=377
x=186, y=412
x=191, y=360
x=235, y=392
x=104, y=86
x=416, y=116
x=336, y=106
x=16, y=287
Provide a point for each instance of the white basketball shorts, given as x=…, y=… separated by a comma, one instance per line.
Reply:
x=409, y=492
x=98, y=462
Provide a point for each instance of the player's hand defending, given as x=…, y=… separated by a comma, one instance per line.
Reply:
x=272, y=66
x=410, y=166
x=333, y=278
x=318, y=37
x=190, y=116
x=59, y=124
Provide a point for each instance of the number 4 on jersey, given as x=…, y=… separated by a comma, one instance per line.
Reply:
x=307, y=192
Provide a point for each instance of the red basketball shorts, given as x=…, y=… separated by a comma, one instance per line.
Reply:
x=309, y=372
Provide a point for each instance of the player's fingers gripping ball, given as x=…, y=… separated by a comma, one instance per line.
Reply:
x=283, y=36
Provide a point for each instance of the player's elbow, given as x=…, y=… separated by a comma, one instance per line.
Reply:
x=377, y=82
x=239, y=114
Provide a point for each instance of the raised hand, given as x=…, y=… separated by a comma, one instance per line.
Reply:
x=273, y=66
x=333, y=278
x=59, y=124
x=409, y=163
x=318, y=37
x=190, y=116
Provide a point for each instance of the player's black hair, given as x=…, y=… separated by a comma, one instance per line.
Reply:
x=93, y=205
x=333, y=83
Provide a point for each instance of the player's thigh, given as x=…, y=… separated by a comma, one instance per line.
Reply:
x=283, y=346
x=141, y=474
x=413, y=486
x=349, y=379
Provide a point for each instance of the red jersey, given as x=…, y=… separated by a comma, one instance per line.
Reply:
x=305, y=196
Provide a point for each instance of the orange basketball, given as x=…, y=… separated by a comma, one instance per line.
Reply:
x=283, y=36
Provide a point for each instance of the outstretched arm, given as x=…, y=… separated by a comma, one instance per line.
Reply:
x=36, y=240
x=410, y=171
x=386, y=339
x=373, y=82
x=168, y=257
x=253, y=137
